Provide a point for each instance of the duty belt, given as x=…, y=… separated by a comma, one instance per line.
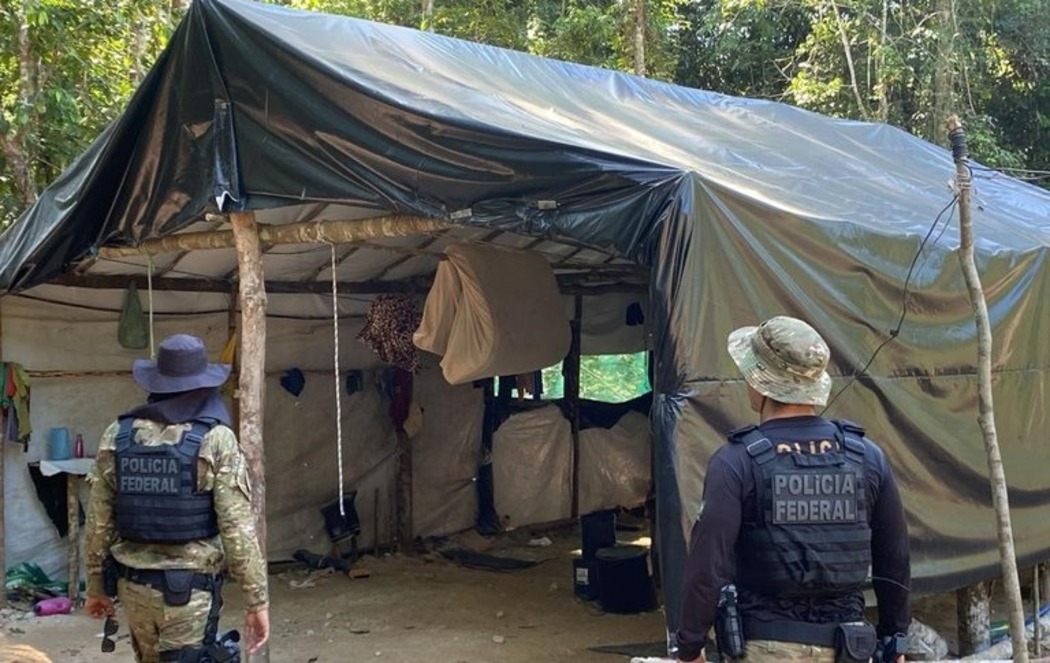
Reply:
x=175, y=584
x=820, y=635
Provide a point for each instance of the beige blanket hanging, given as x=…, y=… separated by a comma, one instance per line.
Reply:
x=493, y=312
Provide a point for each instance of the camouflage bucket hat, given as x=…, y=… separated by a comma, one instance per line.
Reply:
x=783, y=359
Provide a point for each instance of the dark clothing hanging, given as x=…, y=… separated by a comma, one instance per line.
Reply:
x=52, y=492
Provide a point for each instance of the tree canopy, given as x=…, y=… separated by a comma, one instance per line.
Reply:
x=67, y=67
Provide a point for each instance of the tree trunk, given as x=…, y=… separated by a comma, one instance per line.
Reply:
x=943, y=71
x=16, y=147
x=428, y=15
x=881, y=79
x=639, y=37
x=986, y=415
x=847, y=50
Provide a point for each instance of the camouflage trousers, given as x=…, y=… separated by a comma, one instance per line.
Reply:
x=774, y=650
x=156, y=627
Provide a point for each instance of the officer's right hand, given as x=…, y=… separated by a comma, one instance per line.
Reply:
x=257, y=627
x=99, y=607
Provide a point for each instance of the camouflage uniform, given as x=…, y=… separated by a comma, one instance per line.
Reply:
x=221, y=469
x=773, y=650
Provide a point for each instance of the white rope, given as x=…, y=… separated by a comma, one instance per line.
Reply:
x=338, y=387
x=149, y=298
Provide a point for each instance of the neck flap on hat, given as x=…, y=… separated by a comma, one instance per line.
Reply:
x=180, y=408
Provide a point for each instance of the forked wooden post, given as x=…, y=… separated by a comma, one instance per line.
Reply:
x=252, y=387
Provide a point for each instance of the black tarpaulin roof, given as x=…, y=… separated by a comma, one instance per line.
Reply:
x=740, y=209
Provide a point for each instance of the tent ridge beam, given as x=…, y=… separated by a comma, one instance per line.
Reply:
x=342, y=231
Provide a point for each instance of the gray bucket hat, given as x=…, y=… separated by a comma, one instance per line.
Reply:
x=783, y=359
x=182, y=365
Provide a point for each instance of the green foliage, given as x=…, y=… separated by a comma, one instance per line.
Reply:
x=68, y=67
x=607, y=378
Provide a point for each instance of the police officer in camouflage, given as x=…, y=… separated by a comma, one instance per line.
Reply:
x=798, y=512
x=171, y=514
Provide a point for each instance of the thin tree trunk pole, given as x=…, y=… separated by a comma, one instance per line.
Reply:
x=639, y=38
x=986, y=414
x=252, y=386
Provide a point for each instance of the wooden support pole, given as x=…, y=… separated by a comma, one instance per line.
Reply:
x=571, y=371
x=1037, y=626
x=404, y=392
x=973, y=611
x=252, y=387
x=1044, y=581
x=233, y=328
x=310, y=232
x=404, y=491
x=985, y=408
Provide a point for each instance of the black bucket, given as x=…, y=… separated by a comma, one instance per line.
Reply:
x=598, y=530
x=625, y=586
x=339, y=526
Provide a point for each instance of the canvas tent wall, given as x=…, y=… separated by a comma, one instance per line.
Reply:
x=740, y=209
x=80, y=379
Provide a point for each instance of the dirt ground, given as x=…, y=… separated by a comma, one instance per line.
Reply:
x=419, y=608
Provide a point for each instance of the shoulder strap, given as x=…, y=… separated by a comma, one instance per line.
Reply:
x=758, y=446
x=199, y=430
x=125, y=433
x=851, y=437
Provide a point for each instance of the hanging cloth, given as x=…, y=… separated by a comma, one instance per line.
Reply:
x=133, y=328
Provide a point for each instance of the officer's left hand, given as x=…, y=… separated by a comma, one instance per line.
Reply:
x=99, y=607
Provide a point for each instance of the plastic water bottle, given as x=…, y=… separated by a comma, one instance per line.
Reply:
x=78, y=446
x=60, y=605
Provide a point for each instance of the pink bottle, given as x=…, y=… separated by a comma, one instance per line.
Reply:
x=60, y=605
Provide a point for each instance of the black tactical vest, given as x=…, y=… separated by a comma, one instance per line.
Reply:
x=810, y=535
x=157, y=499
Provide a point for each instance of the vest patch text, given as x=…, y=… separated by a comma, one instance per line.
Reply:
x=149, y=476
x=812, y=498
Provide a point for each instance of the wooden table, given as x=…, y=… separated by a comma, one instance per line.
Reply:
x=74, y=469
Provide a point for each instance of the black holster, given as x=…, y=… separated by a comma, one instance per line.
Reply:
x=729, y=627
x=110, y=574
x=855, y=642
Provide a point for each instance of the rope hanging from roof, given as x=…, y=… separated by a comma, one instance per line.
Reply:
x=149, y=299
x=338, y=387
